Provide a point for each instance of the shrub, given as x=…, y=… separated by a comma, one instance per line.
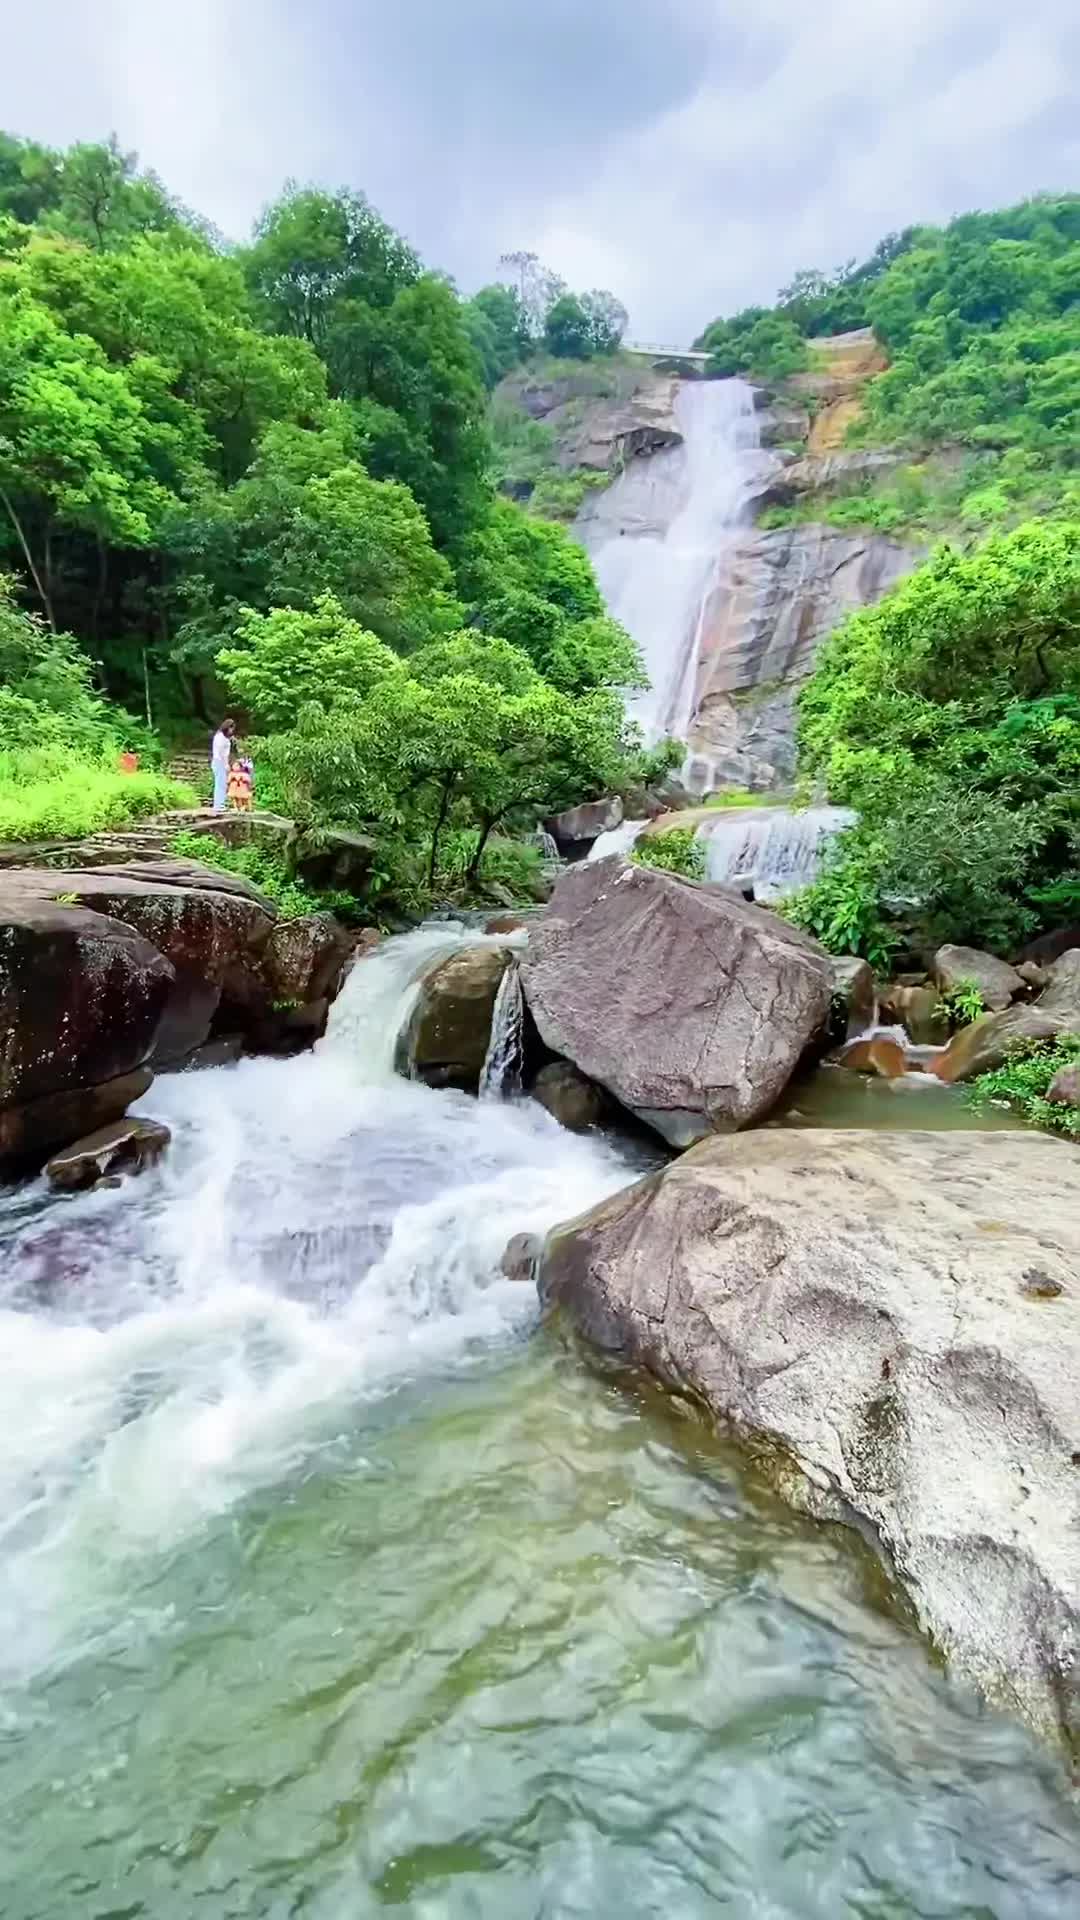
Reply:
x=41, y=799
x=268, y=872
x=1023, y=1080
x=678, y=851
x=842, y=908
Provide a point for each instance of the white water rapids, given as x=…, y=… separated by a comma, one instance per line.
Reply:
x=318, y=1230
x=661, y=538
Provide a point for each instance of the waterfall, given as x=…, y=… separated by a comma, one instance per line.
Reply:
x=547, y=845
x=661, y=537
x=501, y=1072
x=617, y=839
x=774, y=850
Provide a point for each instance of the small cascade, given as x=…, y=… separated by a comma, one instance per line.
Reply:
x=374, y=1006
x=661, y=541
x=548, y=846
x=769, y=850
x=617, y=839
x=500, y=1076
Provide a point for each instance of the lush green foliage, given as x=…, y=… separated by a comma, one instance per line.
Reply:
x=963, y=1003
x=1023, y=1081
x=842, y=907
x=949, y=715
x=758, y=342
x=676, y=851
x=267, y=870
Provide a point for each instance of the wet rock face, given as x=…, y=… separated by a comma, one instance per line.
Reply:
x=897, y=1317
x=691, y=1007
x=578, y=827
x=602, y=430
x=108, y=971
x=81, y=998
x=784, y=592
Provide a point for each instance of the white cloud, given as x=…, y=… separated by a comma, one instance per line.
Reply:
x=689, y=153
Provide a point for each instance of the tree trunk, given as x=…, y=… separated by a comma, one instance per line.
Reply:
x=474, y=863
x=99, y=590
x=198, y=696
x=444, y=808
x=34, y=574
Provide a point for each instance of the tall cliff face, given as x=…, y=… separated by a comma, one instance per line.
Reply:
x=783, y=592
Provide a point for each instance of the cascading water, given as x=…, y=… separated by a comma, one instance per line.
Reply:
x=771, y=850
x=617, y=839
x=324, y=1591
x=501, y=1072
x=661, y=536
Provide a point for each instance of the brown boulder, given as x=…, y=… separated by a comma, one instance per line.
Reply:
x=128, y=1145
x=305, y=958
x=691, y=1007
x=998, y=983
x=987, y=1043
x=569, y=1097
x=883, y=1057
x=31, y=1127
x=1033, y=975
x=919, y=1011
x=446, y=1039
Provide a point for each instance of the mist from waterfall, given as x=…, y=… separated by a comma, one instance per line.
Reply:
x=662, y=536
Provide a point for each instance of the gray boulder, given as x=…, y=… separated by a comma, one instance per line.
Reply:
x=691, y=1007
x=853, y=989
x=893, y=1320
x=997, y=982
x=1064, y=1088
x=584, y=824
x=1061, y=999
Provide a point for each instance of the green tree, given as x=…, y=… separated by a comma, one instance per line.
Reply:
x=285, y=660
x=313, y=250
x=568, y=329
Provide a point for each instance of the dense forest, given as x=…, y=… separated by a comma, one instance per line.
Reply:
x=950, y=714
x=262, y=475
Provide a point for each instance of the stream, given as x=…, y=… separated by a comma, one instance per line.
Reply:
x=333, y=1584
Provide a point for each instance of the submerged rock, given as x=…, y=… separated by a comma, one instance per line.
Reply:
x=998, y=983
x=446, y=1040
x=691, y=1007
x=128, y=1145
x=895, y=1319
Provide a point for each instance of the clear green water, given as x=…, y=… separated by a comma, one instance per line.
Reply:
x=331, y=1585
x=521, y=1643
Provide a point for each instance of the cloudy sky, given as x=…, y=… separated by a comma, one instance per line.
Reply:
x=690, y=154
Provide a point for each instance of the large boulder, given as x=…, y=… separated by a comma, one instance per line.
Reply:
x=446, y=1039
x=578, y=827
x=81, y=998
x=894, y=1322
x=1061, y=999
x=988, y=1042
x=997, y=982
x=1064, y=1088
x=691, y=1007
x=854, y=992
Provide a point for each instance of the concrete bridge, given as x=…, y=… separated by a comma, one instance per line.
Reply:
x=646, y=352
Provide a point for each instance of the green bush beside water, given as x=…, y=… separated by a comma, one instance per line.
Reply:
x=1023, y=1081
